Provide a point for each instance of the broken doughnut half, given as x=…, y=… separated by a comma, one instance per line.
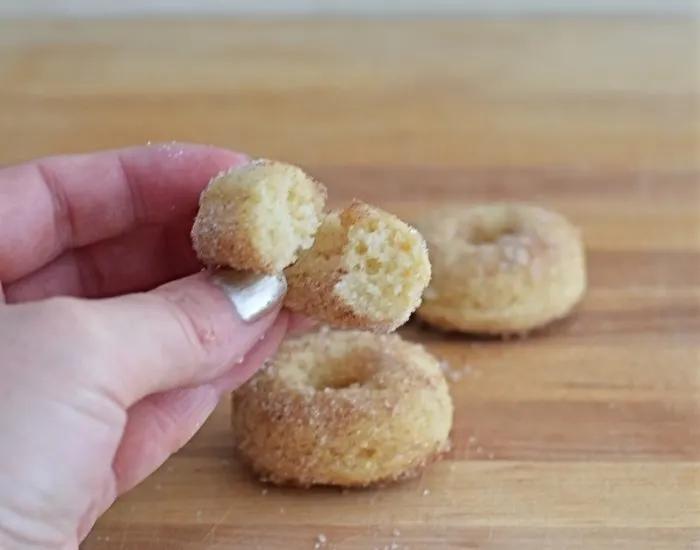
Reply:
x=258, y=217
x=366, y=270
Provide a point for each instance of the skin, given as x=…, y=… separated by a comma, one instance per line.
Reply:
x=114, y=346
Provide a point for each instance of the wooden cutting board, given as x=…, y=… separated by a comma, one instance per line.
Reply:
x=584, y=436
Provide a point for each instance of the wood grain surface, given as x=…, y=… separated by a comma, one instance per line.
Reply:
x=585, y=436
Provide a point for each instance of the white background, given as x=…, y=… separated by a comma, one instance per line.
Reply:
x=81, y=8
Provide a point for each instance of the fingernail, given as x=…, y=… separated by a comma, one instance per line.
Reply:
x=252, y=295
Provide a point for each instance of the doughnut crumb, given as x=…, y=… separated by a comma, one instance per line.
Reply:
x=367, y=269
x=258, y=217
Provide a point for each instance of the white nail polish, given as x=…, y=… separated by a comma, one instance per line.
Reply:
x=252, y=295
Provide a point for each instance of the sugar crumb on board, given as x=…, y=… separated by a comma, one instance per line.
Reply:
x=456, y=373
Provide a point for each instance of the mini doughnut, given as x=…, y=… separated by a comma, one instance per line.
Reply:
x=500, y=268
x=366, y=270
x=343, y=408
x=258, y=217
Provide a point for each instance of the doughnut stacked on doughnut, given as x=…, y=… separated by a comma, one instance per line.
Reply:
x=355, y=268
x=500, y=268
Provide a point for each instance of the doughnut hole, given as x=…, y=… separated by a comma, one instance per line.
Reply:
x=490, y=227
x=258, y=217
x=338, y=379
x=366, y=269
x=339, y=370
x=491, y=234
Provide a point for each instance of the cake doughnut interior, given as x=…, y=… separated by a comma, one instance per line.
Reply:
x=367, y=269
x=258, y=217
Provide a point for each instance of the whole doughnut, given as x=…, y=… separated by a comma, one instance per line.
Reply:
x=501, y=268
x=367, y=269
x=258, y=217
x=343, y=408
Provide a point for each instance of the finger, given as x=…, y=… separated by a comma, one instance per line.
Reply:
x=58, y=203
x=136, y=262
x=183, y=333
x=299, y=323
x=161, y=424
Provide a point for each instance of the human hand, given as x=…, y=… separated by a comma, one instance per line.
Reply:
x=114, y=346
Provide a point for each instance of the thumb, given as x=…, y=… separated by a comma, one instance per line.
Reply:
x=185, y=333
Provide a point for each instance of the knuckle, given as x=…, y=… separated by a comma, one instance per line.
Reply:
x=194, y=322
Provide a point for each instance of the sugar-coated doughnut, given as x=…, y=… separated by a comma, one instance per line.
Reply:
x=367, y=269
x=343, y=408
x=258, y=217
x=500, y=268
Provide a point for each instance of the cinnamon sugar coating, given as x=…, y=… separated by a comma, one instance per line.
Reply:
x=343, y=408
x=501, y=268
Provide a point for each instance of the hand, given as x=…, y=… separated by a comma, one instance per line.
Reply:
x=114, y=346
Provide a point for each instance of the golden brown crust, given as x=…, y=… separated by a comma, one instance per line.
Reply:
x=501, y=268
x=313, y=295
x=270, y=477
x=229, y=246
x=508, y=329
x=346, y=408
